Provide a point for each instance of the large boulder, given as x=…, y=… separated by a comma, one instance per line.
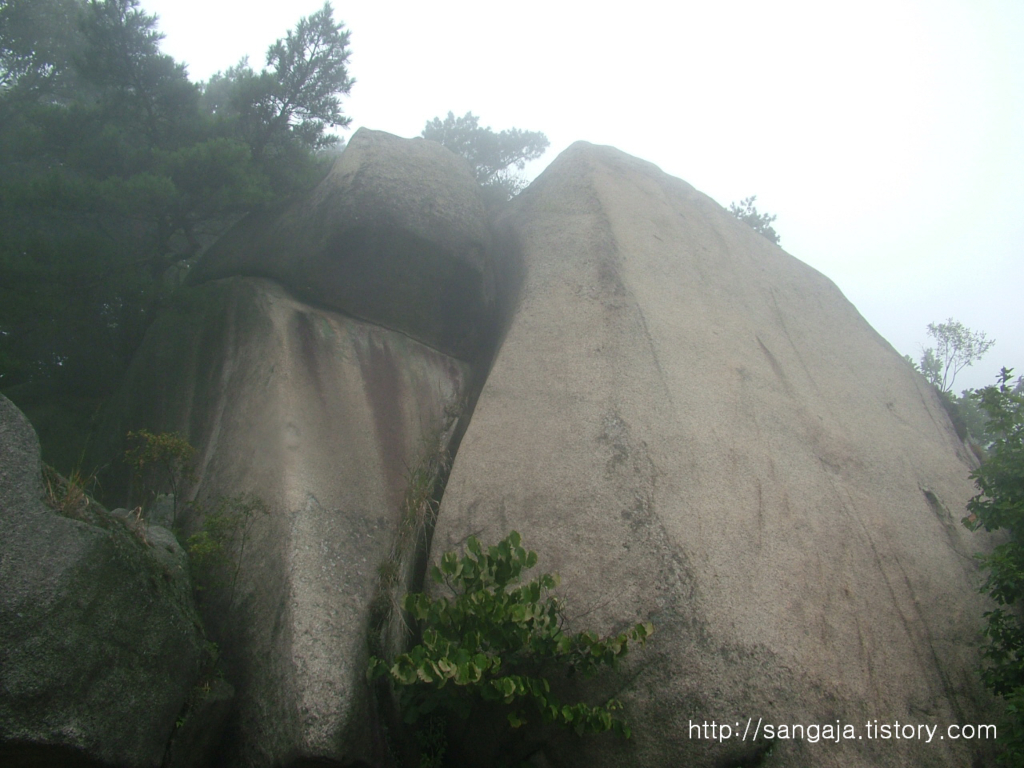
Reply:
x=395, y=235
x=100, y=642
x=328, y=420
x=695, y=429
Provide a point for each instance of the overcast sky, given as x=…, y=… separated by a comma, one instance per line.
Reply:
x=887, y=136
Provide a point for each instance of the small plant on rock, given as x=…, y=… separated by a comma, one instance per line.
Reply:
x=217, y=548
x=761, y=223
x=157, y=460
x=493, y=640
x=68, y=496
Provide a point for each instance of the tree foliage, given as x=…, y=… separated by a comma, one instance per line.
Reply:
x=494, y=640
x=999, y=505
x=297, y=97
x=761, y=223
x=116, y=171
x=216, y=551
x=157, y=462
x=38, y=42
x=968, y=417
x=492, y=155
x=142, y=91
x=957, y=347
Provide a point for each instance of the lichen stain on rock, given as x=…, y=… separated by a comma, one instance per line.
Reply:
x=383, y=386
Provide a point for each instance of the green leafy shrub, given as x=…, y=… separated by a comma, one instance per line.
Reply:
x=494, y=640
x=159, y=460
x=999, y=504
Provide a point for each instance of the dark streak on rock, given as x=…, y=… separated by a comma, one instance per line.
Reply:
x=305, y=332
x=776, y=368
x=384, y=392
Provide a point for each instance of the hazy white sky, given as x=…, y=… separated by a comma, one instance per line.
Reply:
x=887, y=135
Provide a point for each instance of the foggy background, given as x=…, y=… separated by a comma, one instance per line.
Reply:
x=886, y=136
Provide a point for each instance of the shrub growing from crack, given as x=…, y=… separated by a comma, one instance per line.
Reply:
x=159, y=459
x=217, y=548
x=492, y=641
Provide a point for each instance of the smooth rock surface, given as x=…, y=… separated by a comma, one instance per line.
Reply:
x=397, y=235
x=325, y=418
x=99, y=640
x=695, y=429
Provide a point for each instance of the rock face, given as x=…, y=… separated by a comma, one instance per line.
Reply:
x=689, y=425
x=695, y=429
x=318, y=362
x=395, y=235
x=99, y=641
x=326, y=419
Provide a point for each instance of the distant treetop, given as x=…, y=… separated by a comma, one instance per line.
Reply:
x=491, y=154
x=957, y=347
x=116, y=171
x=297, y=97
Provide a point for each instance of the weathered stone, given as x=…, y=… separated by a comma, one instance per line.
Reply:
x=695, y=429
x=21, y=470
x=396, y=235
x=326, y=419
x=166, y=550
x=162, y=511
x=99, y=641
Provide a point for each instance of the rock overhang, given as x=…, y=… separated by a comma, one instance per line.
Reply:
x=397, y=234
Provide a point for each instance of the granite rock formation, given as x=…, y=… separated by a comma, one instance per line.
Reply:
x=689, y=425
x=100, y=642
x=325, y=418
x=396, y=235
x=320, y=360
x=696, y=429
